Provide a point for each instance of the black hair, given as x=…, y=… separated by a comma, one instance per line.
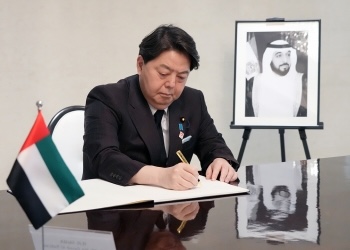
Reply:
x=169, y=37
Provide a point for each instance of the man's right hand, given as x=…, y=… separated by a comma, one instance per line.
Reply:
x=181, y=176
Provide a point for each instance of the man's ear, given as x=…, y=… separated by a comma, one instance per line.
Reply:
x=139, y=64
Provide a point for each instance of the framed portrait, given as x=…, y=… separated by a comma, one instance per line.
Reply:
x=277, y=74
x=281, y=209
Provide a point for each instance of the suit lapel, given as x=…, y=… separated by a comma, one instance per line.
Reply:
x=143, y=120
x=175, y=142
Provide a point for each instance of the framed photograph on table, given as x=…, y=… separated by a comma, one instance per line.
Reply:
x=277, y=74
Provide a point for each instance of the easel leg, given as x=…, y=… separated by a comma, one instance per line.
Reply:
x=245, y=137
x=283, y=151
x=303, y=139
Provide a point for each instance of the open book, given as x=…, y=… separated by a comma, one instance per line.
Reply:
x=101, y=194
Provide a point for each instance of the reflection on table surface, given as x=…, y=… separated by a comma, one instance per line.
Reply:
x=292, y=205
x=162, y=227
x=283, y=202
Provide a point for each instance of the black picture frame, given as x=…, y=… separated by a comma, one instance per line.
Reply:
x=258, y=99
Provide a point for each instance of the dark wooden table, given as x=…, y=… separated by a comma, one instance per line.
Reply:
x=292, y=205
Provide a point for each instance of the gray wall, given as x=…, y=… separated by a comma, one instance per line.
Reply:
x=57, y=50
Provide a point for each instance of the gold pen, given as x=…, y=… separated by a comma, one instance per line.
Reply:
x=182, y=225
x=183, y=158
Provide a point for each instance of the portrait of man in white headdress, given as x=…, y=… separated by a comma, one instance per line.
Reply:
x=277, y=89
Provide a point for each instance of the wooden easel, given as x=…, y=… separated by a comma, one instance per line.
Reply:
x=303, y=138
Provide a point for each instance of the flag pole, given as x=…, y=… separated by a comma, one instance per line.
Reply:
x=39, y=104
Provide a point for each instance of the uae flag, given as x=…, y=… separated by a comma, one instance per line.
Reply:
x=40, y=180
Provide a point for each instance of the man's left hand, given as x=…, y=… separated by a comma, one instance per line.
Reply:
x=222, y=167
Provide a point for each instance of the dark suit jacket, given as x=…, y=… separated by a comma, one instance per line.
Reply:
x=120, y=132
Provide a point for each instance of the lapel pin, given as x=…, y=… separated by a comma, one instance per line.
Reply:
x=181, y=135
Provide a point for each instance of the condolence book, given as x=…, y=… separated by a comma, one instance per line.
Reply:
x=101, y=194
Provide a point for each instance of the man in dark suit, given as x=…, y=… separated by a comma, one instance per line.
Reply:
x=121, y=142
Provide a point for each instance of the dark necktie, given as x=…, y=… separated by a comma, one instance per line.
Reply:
x=161, y=222
x=158, y=115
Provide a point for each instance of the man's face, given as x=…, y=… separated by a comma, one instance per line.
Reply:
x=163, y=79
x=280, y=63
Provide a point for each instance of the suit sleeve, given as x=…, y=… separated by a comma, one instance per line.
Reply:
x=102, y=155
x=210, y=143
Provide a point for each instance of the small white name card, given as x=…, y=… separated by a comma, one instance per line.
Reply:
x=56, y=238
